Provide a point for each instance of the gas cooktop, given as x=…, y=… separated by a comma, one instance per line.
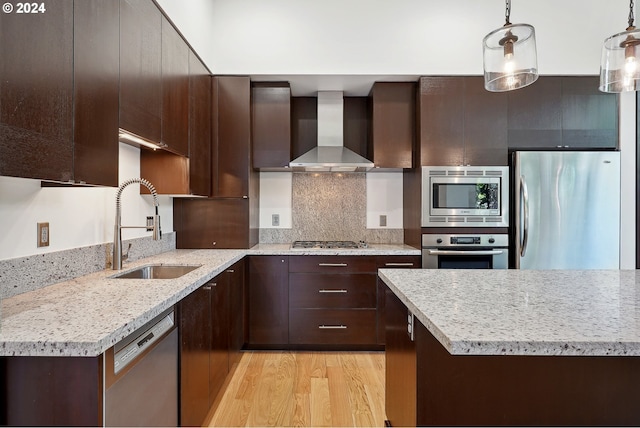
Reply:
x=314, y=245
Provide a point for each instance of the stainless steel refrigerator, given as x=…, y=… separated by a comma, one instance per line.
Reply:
x=567, y=210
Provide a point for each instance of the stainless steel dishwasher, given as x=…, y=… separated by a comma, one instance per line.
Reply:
x=141, y=376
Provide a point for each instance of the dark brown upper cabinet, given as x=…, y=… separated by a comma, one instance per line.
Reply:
x=566, y=112
x=58, y=92
x=304, y=125
x=175, y=90
x=141, y=68
x=175, y=174
x=96, y=55
x=215, y=223
x=461, y=123
x=393, y=124
x=231, y=147
x=271, y=125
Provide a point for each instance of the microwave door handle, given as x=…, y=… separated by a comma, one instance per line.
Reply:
x=465, y=252
x=524, y=197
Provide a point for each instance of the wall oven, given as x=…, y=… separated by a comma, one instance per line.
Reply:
x=465, y=251
x=465, y=196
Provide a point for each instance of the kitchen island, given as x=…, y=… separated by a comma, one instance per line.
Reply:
x=512, y=347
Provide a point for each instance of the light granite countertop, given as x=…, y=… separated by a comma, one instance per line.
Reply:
x=524, y=312
x=89, y=314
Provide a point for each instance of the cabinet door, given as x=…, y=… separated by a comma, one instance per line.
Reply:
x=96, y=79
x=401, y=366
x=441, y=120
x=237, y=312
x=393, y=124
x=268, y=300
x=212, y=223
x=219, y=356
x=141, y=68
x=485, y=124
x=195, y=345
x=175, y=90
x=271, y=125
x=391, y=262
x=534, y=118
x=232, y=136
x=199, y=127
x=36, y=93
x=589, y=117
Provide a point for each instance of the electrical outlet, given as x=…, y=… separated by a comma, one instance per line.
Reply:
x=43, y=234
x=275, y=219
x=383, y=220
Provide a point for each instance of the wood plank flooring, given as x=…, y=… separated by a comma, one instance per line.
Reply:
x=287, y=389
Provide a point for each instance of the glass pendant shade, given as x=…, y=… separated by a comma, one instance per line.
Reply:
x=510, y=58
x=620, y=66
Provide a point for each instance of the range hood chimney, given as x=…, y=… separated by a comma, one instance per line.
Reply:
x=330, y=155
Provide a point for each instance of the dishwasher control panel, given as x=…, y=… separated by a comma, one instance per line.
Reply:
x=142, y=341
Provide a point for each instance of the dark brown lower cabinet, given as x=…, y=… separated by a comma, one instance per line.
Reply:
x=212, y=335
x=427, y=386
x=268, y=301
x=51, y=391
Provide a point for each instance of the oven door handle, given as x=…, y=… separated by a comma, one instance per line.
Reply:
x=465, y=252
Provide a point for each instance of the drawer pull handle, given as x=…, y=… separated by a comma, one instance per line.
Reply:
x=333, y=264
x=332, y=327
x=399, y=264
x=324, y=290
x=206, y=287
x=230, y=270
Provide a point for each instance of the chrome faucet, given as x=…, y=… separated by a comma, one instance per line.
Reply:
x=153, y=222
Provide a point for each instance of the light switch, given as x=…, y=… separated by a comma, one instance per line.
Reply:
x=275, y=219
x=383, y=220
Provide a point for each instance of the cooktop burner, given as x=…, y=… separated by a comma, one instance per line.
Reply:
x=305, y=245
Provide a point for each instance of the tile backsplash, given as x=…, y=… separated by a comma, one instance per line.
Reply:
x=24, y=274
x=330, y=207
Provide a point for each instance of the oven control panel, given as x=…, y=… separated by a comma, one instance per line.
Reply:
x=471, y=240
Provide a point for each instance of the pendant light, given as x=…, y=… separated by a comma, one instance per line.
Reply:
x=619, y=69
x=510, y=60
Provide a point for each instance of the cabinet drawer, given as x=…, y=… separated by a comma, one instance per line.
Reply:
x=320, y=290
x=332, y=326
x=332, y=264
x=399, y=262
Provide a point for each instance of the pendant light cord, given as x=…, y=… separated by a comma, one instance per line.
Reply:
x=507, y=13
x=631, y=17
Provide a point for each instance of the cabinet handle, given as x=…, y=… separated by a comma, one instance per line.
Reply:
x=230, y=270
x=332, y=327
x=324, y=290
x=333, y=264
x=399, y=264
x=206, y=287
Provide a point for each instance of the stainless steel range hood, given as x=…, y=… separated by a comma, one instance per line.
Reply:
x=330, y=155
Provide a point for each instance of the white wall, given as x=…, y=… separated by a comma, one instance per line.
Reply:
x=77, y=217
x=388, y=37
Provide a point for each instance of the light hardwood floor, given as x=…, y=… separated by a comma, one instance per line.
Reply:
x=289, y=389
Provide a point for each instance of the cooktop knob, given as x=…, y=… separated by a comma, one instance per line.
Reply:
x=491, y=240
x=439, y=241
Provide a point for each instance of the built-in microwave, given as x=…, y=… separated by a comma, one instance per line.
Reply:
x=465, y=196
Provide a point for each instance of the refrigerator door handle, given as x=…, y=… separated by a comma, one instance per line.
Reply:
x=524, y=195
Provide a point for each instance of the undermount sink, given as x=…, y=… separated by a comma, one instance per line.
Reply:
x=157, y=272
